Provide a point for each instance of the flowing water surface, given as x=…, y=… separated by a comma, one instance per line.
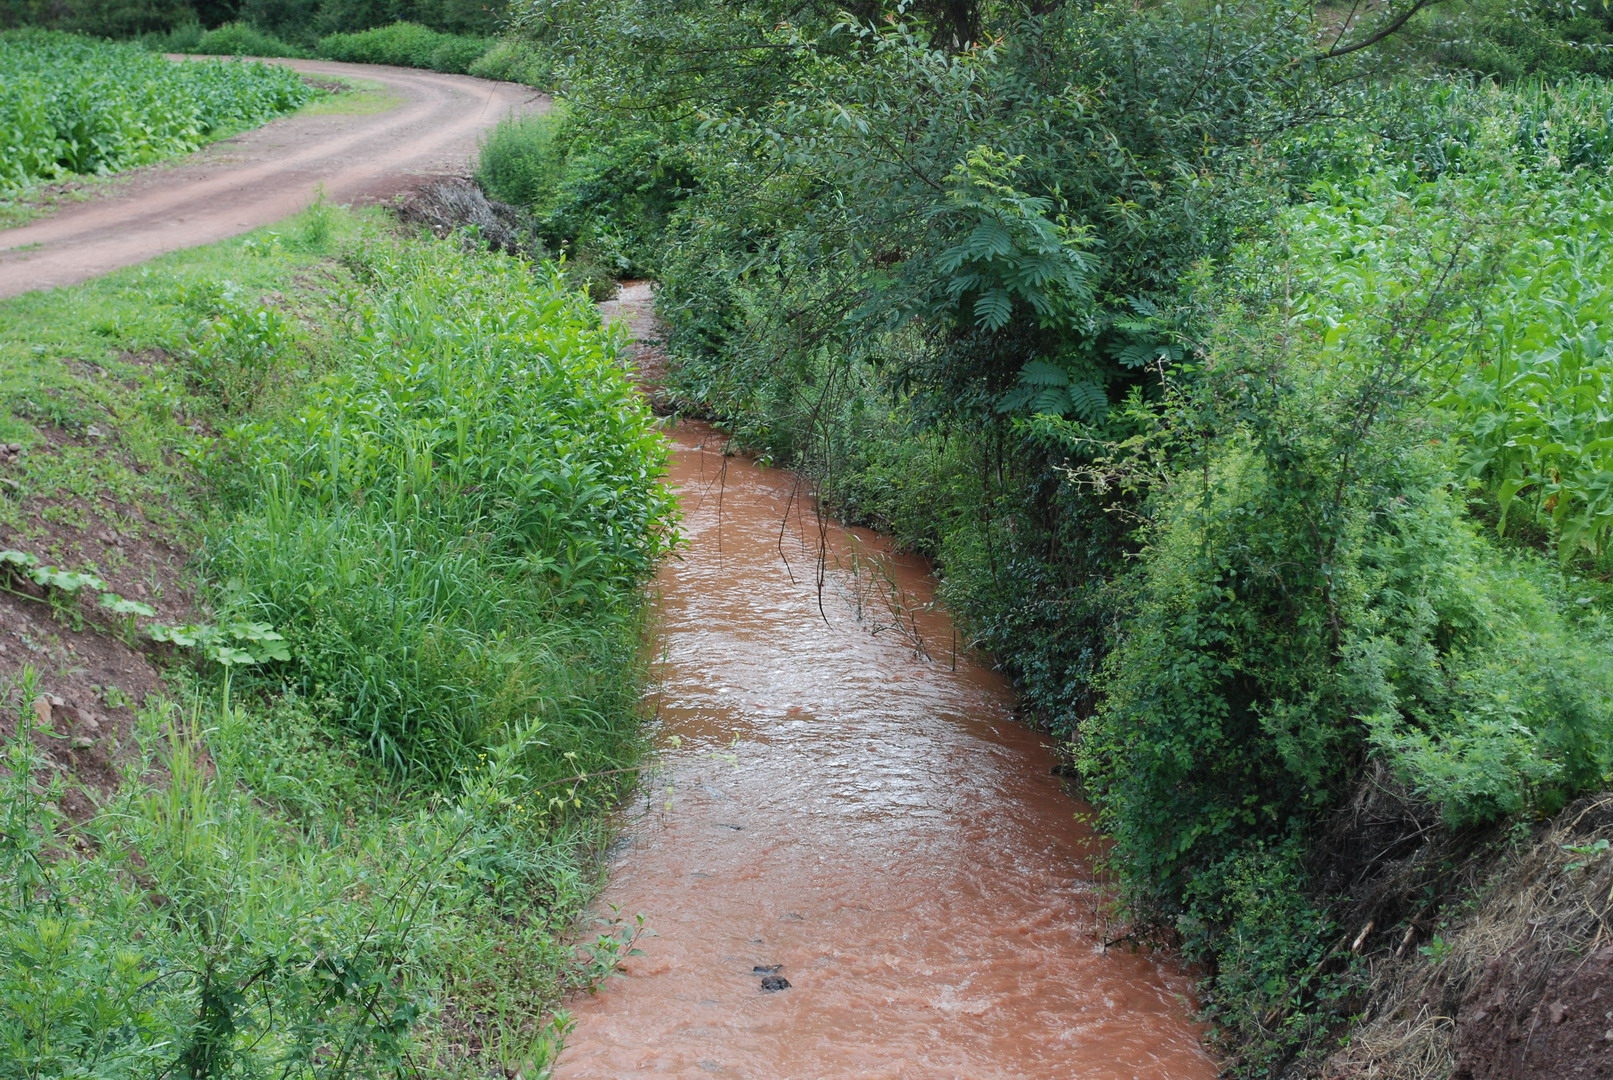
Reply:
x=844, y=797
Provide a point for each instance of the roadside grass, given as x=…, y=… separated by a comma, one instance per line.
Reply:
x=361, y=97
x=104, y=367
x=42, y=200
x=425, y=466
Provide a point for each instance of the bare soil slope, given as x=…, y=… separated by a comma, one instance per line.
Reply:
x=262, y=176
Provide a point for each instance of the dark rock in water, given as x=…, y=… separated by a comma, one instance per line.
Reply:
x=761, y=969
x=775, y=982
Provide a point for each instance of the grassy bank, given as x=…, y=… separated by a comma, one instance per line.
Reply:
x=323, y=799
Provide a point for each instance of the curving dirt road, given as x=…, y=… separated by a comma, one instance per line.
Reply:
x=267, y=174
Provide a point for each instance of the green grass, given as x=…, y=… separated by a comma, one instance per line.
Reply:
x=362, y=97
x=425, y=466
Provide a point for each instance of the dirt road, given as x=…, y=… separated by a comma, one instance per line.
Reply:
x=267, y=174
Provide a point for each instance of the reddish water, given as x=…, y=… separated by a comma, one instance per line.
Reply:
x=838, y=800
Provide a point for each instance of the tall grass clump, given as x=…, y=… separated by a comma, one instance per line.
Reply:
x=520, y=162
x=450, y=530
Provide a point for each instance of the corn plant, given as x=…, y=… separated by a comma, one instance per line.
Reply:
x=75, y=106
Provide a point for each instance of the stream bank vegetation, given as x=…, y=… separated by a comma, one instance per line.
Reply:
x=319, y=791
x=1245, y=369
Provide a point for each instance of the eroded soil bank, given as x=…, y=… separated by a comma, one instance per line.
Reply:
x=846, y=801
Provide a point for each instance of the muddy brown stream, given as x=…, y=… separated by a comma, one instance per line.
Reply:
x=838, y=799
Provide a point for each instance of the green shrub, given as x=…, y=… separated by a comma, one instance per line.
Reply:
x=521, y=164
x=513, y=60
x=181, y=39
x=244, y=39
x=603, y=195
x=406, y=45
x=1314, y=596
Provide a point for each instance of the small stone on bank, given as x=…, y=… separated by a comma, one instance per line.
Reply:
x=773, y=983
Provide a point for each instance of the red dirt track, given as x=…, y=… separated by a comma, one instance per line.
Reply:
x=264, y=175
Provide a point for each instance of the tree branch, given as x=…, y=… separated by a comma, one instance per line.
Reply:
x=1372, y=39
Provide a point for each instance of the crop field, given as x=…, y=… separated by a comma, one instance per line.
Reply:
x=73, y=106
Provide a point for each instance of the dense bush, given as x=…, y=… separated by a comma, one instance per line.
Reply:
x=512, y=60
x=604, y=201
x=407, y=45
x=242, y=39
x=70, y=105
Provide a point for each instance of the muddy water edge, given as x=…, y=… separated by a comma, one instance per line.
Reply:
x=844, y=801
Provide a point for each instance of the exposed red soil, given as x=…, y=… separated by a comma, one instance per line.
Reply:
x=1506, y=1030
x=92, y=681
